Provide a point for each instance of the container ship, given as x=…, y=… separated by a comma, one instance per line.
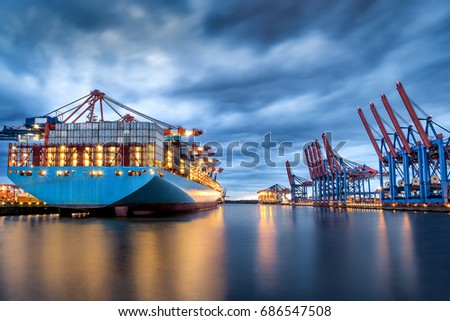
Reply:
x=127, y=167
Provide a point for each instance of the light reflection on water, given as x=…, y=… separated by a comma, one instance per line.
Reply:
x=266, y=243
x=236, y=252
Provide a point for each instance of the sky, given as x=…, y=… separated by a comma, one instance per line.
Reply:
x=241, y=70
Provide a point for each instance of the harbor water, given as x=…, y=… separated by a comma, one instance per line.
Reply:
x=234, y=252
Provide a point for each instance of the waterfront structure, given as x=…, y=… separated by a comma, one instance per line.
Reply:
x=413, y=160
x=336, y=180
x=299, y=186
x=275, y=194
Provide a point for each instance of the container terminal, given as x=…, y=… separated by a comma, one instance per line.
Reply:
x=412, y=174
x=413, y=171
x=275, y=194
x=414, y=160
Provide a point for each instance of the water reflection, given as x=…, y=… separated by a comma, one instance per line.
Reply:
x=408, y=258
x=111, y=259
x=266, y=247
x=396, y=256
x=164, y=262
x=383, y=257
x=59, y=259
x=236, y=252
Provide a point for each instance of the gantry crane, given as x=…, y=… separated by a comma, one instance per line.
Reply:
x=337, y=180
x=299, y=186
x=414, y=166
x=274, y=194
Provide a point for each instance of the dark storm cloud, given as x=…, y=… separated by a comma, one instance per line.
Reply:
x=28, y=25
x=232, y=90
x=257, y=21
x=15, y=106
x=360, y=36
x=266, y=22
x=363, y=33
x=239, y=69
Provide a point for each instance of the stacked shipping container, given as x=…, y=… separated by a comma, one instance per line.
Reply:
x=110, y=132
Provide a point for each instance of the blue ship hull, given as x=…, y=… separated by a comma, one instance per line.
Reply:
x=137, y=190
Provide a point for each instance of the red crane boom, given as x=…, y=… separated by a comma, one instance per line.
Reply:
x=308, y=162
x=369, y=132
x=320, y=162
x=413, y=115
x=396, y=124
x=383, y=130
x=288, y=170
x=332, y=161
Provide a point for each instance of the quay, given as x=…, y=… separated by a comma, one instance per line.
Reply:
x=21, y=208
x=381, y=206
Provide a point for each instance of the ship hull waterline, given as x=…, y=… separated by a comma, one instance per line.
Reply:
x=136, y=191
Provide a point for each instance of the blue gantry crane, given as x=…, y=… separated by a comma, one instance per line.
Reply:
x=414, y=160
x=335, y=179
x=299, y=186
x=275, y=194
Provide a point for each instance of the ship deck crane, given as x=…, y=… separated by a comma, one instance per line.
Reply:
x=88, y=106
